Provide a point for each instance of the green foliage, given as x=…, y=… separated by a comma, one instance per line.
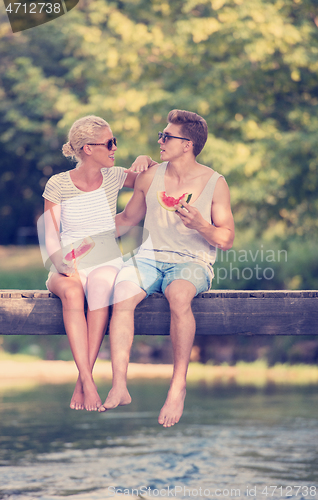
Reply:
x=249, y=67
x=30, y=279
x=254, y=265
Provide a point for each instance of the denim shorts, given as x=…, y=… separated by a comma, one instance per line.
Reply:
x=153, y=276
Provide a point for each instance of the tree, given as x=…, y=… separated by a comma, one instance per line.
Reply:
x=249, y=67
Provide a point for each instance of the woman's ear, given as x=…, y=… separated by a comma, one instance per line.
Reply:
x=87, y=149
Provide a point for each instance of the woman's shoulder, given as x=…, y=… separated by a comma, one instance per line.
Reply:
x=59, y=178
x=112, y=172
x=58, y=184
x=114, y=176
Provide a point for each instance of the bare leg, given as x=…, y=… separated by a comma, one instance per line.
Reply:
x=99, y=290
x=70, y=290
x=182, y=330
x=121, y=336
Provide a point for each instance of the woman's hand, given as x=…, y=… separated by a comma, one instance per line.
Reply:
x=141, y=163
x=65, y=269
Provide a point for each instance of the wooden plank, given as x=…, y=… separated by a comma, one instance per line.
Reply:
x=217, y=312
x=31, y=314
x=259, y=315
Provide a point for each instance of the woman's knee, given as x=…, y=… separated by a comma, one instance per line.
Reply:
x=73, y=295
x=102, y=279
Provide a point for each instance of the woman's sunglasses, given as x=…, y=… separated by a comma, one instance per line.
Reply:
x=109, y=144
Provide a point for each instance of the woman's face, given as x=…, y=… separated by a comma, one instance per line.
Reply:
x=101, y=153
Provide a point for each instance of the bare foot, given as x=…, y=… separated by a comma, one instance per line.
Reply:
x=171, y=411
x=77, y=401
x=92, y=401
x=116, y=397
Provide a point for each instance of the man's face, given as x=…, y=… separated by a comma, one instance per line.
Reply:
x=172, y=148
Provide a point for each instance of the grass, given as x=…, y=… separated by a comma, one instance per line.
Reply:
x=21, y=267
x=257, y=374
x=18, y=358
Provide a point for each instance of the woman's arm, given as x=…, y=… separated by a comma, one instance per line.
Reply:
x=141, y=163
x=52, y=216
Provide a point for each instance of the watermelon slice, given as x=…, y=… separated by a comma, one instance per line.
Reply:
x=78, y=253
x=169, y=202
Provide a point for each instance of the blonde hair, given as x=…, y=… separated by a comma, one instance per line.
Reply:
x=84, y=130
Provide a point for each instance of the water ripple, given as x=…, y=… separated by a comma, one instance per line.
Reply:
x=90, y=457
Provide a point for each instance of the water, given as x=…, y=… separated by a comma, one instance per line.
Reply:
x=230, y=443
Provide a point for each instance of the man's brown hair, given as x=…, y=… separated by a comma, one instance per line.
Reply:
x=193, y=126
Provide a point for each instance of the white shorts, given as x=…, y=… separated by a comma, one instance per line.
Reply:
x=98, y=251
x=83, y=273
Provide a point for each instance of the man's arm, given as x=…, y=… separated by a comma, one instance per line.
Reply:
x=135, y=209
x=221, y=233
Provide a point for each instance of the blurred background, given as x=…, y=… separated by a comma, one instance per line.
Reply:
x=248, y=67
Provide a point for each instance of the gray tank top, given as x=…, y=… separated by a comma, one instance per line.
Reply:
x=169, y=239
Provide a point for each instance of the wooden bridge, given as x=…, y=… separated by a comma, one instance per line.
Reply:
x=217, y=312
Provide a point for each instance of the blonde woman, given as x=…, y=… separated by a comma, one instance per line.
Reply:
x=80, y=207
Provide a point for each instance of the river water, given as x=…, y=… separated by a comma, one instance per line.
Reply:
x=231, y=442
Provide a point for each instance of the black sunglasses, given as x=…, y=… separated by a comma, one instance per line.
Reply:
x=164, y=137
x=109, y=144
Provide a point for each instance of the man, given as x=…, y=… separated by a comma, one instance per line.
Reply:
x=177, y=258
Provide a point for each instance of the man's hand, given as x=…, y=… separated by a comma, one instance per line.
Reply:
x=141, y=163
x=190, y=216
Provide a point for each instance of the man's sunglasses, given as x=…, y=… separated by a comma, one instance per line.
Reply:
x=164, y=137
x=109, y=144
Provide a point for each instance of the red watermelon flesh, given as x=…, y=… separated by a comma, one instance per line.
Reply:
x=169, y=202
x=79, y=252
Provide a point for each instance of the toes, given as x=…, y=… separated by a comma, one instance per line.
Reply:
x=93, y=407
x=167, y=421
x=76, y=406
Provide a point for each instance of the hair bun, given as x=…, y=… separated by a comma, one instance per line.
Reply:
x=68, y=150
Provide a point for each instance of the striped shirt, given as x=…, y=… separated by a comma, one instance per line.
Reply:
x=85, y=213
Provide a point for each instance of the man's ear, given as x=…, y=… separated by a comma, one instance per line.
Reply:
x=189, y=146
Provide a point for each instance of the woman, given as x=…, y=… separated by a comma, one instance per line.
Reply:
x=85, y=257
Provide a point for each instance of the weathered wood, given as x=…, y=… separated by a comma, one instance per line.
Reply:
x=217, y=312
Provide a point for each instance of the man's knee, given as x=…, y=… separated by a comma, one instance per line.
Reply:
x=127, y=295
x=179, y=295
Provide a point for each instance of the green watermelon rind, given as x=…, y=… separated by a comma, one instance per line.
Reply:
x=189, y=198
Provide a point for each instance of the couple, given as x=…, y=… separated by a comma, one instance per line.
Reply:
x=176, y=259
